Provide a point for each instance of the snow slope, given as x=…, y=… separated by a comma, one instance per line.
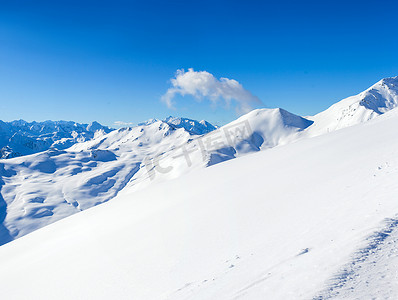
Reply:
x=292, y=222
x=19, y=137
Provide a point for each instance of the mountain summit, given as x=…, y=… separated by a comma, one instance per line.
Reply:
x=376, y=100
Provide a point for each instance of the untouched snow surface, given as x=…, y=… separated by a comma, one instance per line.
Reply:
x=308, y=220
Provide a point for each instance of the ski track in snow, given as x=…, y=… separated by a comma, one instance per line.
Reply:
x=372, y=271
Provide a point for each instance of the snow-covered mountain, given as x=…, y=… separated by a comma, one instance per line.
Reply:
x=19, y=137
x=192, y=126
x=39, y=189
x=42, y=188
x=376, y=100
x=313, y=219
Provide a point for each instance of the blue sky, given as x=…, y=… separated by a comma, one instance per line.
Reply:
x=113, y=60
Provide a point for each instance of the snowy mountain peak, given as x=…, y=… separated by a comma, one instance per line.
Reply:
x=192, y=126
x=257, y=130
x=382, y=96
x=277, y=116
x=390, y=80
x=374, y=101
x=94, y=126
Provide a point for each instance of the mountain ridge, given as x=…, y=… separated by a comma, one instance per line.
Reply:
x=19, y=137
x=372, y=102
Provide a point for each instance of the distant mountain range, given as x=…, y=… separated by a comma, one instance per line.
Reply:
x=19, y=137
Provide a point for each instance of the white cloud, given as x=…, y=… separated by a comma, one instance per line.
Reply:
x=202, y=84
x=122, y=124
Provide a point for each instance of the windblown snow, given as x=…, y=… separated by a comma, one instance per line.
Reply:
x=313, y=217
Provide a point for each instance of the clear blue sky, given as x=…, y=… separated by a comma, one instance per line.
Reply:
x=112, y=60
